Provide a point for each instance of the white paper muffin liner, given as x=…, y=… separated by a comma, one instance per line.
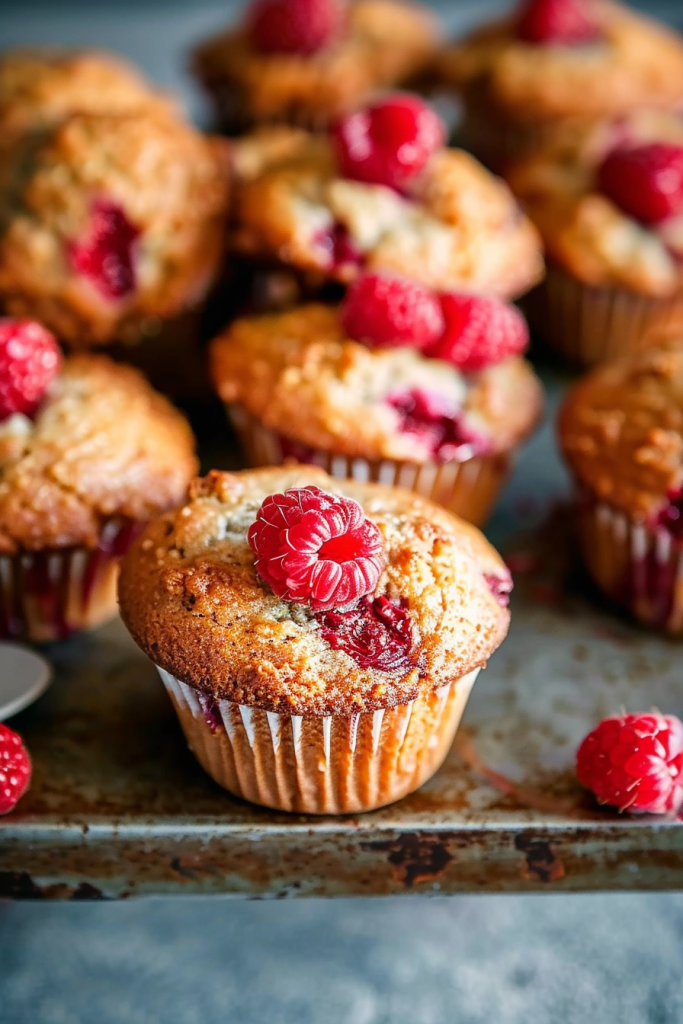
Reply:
x=50, y=595
x=328, y=765
x=596, y=325
x=638, y=566
x=468, y=488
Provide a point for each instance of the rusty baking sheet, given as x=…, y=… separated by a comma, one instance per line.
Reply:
x=119, y=807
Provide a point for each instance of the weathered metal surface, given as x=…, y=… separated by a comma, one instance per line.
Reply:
x=119, y=807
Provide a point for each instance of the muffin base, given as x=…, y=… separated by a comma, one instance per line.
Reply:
x=637, y=566
x=170, y=353
x=469, y=488
x=329, y=765
x=50, y=595
x=596, y=325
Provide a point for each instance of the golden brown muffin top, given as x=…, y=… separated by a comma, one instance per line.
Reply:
x=457, y=226
x=585, y=231
x=621, y=429
x=191, y=597
x=41, y=86
x=385, y=44
x=103, y=444
x=299, y=373
x=637, y=63
x=165, y=187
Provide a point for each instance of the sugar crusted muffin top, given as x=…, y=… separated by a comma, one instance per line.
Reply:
x=102, y=444
x=299, y=373
x=621, y=430
x=109, y=222
x=635, y=63
x=385, y=43
x=455, y=225
x=193, y=601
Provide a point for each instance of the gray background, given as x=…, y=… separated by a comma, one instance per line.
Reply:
x=500, y=960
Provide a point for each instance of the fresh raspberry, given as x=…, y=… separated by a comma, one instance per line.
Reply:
x=29, y=359
x=316, y=548
x=384, y=311
x=15, y=769
x=438, y=424
x=634, y=763
x=388, y=143
x=566, y=22
x=105, y=256
x=479, y=331
x=293, y=26
x=375, y=633
x=645, y=181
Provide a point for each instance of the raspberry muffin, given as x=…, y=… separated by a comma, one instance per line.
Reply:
x=318, y=639
x=610, y=209
x=552, y=66
x=399, y=385
x=88, y=453
x=39, y=87
x=381, y=192
x=621, y=431
x=308, y=62
x=112, y=230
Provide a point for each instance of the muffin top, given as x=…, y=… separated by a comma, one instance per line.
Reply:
x=393, y=598
x=100, y=444
x=300, y=373
x=109, y=222
x=601, y=60
x=621, y=430
x=302, y=202
x=41, y=86
x=368, y=45
x=609, y=203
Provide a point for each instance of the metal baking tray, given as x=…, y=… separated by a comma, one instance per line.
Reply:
x=119, y=807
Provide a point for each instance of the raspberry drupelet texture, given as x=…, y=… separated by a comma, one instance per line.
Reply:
x=29, y=360
x=105, y=255
x=479, y=331
x=645, y=181
x=388, y=143
x=316, y=548
x=15, y=769
x=383, y=310
x=294, y=26
x=563, y=22
x=634, y=763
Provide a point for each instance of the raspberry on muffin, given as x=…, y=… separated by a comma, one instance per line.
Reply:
x=308, y=62
x=381, y=193
x=338, y=706
x=88, y=453
x=550, y=67
x=333, y=386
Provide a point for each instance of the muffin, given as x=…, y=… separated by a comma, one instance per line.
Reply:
x=308, y=62
x=380, y=192
x=318, y=639
x=552, y=66
x=112, y=229
x=621, y=431
x=398, y=385
x=610, y=210
x=88, y=453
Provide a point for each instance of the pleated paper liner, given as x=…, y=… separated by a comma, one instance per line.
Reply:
x=588, y=326
x=328, y=765
x=468, y=488
x=50, y=595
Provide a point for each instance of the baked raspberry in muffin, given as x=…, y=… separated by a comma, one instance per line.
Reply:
x=318, y=639
x=381, y=192
x=551, y=66
x=399, y=385
x=610, y=209
x=621, y=431
x=88, y=453
x=39, y=87
x=308, y=62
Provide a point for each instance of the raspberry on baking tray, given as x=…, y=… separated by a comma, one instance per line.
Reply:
x=15, y=769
